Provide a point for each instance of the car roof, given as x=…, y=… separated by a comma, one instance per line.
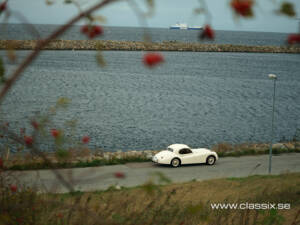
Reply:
x=177, y=147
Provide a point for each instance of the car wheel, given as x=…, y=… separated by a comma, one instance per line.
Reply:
x=210, y=160
x=175, y=162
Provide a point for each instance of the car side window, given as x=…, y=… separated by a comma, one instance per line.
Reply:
x=185, y=151
x=181, y=151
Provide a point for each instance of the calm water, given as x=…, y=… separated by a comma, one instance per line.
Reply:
x=195, y=98
x=22, y=32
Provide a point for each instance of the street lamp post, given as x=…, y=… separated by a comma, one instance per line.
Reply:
x=273, y=77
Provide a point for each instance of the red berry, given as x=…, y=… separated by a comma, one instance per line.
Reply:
x=207, y=32
x=91, y=34
x=152, y=59
x=28, y=140
x=119, y=175
x=60, y=215
x=13, y=188
x=242, y=7
x=35, y=124
x=55, y=133
x=98, y=30
x=1, y=163
x=293, y=39
x=85, y=139
x=2, y=6
x=84, y=29
x=93, y=31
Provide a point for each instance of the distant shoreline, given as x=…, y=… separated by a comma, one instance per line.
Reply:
x=107, y=45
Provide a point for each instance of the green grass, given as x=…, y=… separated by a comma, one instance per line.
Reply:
x=252, y=177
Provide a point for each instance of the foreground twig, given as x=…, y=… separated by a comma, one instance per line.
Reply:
x=16, y=75
x=37, y=152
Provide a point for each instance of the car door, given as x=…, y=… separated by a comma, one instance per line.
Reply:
x=199, y=155
x=187, y=156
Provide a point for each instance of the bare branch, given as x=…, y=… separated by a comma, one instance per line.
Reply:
x=16, y=75
x=37, y=152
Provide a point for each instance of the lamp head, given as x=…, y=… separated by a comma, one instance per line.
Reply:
x=272, y=76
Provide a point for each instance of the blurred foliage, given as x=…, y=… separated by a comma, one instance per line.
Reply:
x=49, y=2
x=62, y=154
x=100, y=59
x=162, y=178
x=150, y=5
x=100, y=19
x=63, y=102
x=287, y=8
x=198, y=11
x=2, y=71
x=10, y=50
x=149, y=187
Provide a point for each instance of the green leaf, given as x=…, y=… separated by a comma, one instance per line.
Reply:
x=150, y=3
x=100, y=19
x=199, y=11
x=287, y=9
x=63, y=102
x=62, y=154
x=49, y=2
x=71, y=123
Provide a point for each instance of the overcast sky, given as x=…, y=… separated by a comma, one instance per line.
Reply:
x=167, y=12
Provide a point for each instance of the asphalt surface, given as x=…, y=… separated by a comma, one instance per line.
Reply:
x=100, y=178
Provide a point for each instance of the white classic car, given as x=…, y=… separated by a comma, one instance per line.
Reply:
x=179, y=154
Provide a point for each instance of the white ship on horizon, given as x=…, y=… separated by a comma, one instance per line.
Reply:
x=179, y=26
x=184, y=26
x=195, y=28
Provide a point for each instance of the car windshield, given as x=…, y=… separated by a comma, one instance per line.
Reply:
x=170, y=149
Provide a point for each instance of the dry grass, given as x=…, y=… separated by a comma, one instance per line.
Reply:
x=190, y=202
x=187, y=203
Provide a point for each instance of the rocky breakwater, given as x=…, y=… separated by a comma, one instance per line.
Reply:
x=75, y=158
x=85, y=157
x=143, y=46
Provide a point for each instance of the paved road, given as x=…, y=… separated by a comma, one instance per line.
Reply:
x=100, y=178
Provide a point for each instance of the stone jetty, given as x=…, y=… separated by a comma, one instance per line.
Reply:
x=105, y=45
